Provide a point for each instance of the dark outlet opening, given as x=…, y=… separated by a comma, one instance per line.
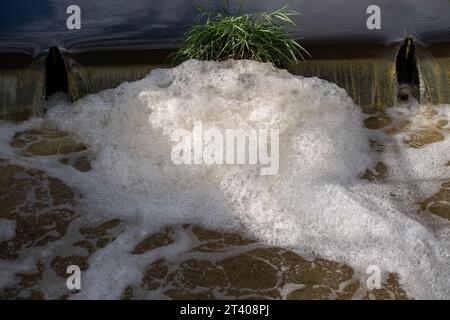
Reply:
x=407, y=71
x=55, y=73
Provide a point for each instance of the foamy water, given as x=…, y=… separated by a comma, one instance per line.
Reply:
x=317, y=204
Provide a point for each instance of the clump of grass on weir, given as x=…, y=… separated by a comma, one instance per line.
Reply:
x=253, y=36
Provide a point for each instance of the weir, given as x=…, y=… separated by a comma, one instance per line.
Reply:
x=377, y=77
x=365, y=71
x=376, y=67
x=21, y=87
x=374, y=76
x=434, y=68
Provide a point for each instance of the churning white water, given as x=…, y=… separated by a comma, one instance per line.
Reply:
x=316, y=204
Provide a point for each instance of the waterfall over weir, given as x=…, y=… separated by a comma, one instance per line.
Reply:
x=373, y=80
x=123, y=41
x=370, y=74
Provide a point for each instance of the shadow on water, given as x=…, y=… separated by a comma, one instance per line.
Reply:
x=407, y=71
x=55, y=73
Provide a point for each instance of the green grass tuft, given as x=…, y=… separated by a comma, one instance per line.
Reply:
x=257, y=36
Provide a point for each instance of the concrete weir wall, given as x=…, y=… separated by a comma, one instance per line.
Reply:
x=22, y=91
x=118, y=41
x=371, y=76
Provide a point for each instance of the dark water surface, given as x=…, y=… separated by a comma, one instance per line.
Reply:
x=31, y=26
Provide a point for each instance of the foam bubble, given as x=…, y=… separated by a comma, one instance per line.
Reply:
x=7, y=229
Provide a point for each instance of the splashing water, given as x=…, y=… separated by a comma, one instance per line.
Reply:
x=317, y=204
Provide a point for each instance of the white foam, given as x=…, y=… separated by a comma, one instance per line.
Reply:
x=427, y=162
x=316, y=204
x=7, y=229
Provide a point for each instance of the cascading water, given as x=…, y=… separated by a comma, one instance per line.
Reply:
x=407, y=72
x=369, y=73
